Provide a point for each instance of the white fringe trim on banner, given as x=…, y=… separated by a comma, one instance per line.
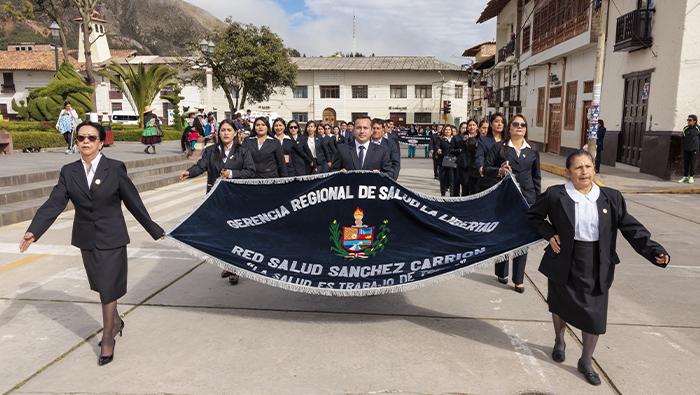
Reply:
x=516, y=252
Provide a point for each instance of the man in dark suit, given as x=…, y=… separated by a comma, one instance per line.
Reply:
x=361, y=154
x=379, y=137
x=391, y=134
x=349, y=136
x=97, y=186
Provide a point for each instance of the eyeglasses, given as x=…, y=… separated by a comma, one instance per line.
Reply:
x=92, y=138
x=515, y=124
x=690, y=120
x=294, y=127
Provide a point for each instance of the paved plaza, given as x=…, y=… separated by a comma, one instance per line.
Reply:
x=189, y=332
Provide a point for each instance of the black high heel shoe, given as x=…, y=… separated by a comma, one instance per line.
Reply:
x=502, y=280
x=115, y=335
x=101, y=361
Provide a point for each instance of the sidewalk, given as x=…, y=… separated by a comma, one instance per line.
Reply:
x=622, y=177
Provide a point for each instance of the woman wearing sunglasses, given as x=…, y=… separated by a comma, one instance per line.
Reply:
x=290, y=147
x=97, y=186
x=516, y=155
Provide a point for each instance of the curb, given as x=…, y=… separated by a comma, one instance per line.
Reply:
x=560, y=171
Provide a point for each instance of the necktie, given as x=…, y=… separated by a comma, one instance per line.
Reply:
x=362, y=156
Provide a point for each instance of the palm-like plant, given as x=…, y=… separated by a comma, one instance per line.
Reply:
x=140, y=86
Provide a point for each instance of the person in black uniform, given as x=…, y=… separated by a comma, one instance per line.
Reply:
x=267, y=152
x=580, y=220
x=444, y=146
x=494, y=136
x=227, y=159
x=97, y=186
x=301, y=167
x=515, y=154
x=319, y=150
x=379, y=137
x=468, y=172
x=433, y=145
x=361, y=153
x=289, y=146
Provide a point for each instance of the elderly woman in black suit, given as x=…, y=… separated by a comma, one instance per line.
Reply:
x=97, y=186
x=494, y=136
x=318, y=149
x=580, y=220
x=267, y=151
x=226, y=159
x=515, y=154
x=290, y=147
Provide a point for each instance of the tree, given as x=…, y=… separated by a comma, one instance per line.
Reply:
x=140, y=86
x=46, y=103
x=86, y=8
x=26, y=13
x=294, y=53
x=175, y=101
x=54, y=10
x=249, y=64
x=21, y=110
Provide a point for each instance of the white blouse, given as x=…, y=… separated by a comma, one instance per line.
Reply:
x=586, y=223
x=311, y=142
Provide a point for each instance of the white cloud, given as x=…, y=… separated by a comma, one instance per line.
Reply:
x=440, y=28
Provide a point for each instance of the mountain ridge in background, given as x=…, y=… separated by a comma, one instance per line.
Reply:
x=153, y=27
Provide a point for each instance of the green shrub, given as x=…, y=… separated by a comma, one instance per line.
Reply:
x=37, y=139
x=21, y=126
x=135, y=135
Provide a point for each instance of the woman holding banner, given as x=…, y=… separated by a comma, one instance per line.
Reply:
x=228, y=159
x=290, y=147
x=581, y=221
x=494, y=136
x=445, y=146
x=517, y=156
x=267, y=152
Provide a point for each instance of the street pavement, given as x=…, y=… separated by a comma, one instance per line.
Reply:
x=189, y=332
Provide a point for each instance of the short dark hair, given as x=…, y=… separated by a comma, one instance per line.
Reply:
x=363, y=117
x=377, y=121
x=601, y=123
x=351, y=123
x=575, y=155
x=65, y=103
x=694, y=117
x=343, y=123
x=96, y=125
x=248, y=110
x=388, y=121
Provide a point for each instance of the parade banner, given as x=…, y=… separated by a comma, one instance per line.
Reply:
x=418, y=141
x=352, y=234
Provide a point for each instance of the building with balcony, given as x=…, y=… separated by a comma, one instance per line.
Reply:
x=545, y=67
x=484, y=55
x=651, y=83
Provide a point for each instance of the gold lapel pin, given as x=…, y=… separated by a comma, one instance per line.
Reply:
x=230, y=157
x=605, y=211
x=98, y=181
x=523, y=155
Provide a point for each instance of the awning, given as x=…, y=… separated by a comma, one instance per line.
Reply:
x=493, y=8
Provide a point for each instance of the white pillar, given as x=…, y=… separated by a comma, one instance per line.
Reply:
x=210, y=97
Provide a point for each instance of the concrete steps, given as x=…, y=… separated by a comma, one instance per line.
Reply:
x=21, y=195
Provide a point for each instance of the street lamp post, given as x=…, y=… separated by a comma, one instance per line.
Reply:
x=55, y=29
x=207, y=48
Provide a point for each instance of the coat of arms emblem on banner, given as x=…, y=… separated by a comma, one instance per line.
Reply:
x=358, y=240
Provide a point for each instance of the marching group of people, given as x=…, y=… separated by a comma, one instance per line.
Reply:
x=579, y=219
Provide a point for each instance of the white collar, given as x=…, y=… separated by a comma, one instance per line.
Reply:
x=366, y=145
x=525, y=145
x=255, y=137
x=577, y=196
x=93, y=164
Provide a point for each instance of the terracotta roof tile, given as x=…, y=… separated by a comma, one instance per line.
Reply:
x=46, y=61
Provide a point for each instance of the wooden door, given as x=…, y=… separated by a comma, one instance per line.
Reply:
x=585, y=122
x=634, y=118
x=554, y=140
x=399, y=118
x=329, y=116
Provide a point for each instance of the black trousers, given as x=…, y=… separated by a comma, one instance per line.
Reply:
x=597, y=160
x=518, y=269
x=68, y=136
x=689, y=158
x=446, y=180
x=462, y=182
x=472, y=187
x=435, y=167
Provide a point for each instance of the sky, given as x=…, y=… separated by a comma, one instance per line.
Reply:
x=440, y=28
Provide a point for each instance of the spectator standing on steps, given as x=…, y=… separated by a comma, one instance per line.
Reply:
x=691, y=143
x=67, y=122
x=599, y=146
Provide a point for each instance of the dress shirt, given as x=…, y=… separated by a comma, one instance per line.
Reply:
x=586, y=224
x=357, y=148
x=311, y=142
x=522, y=147
x=258, y=141
x=90, y=173
x=226, y=154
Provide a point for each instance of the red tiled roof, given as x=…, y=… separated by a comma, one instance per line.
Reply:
x=46, y=61
x=493, y=8
x=471, y=52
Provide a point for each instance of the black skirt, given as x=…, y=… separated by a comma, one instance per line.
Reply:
x=106, y=272
x=580, y=301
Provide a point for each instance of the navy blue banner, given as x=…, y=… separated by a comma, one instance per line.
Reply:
x=352, y=234
x=418, y=141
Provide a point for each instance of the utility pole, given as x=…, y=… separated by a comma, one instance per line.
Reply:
x=598, y=79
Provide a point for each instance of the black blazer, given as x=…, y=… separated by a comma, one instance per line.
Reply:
x=269, y=159
x=241, y=165
x=526, y=169
x=301, y=167
x=99, y=221
x=447, y=147
x=376, y=158
x=322, y=154
x=394, y=156
x=433, y=143
x=556, y=204
x=291, y=150
x=394, y=137
x=347, y=136
x=482, y=149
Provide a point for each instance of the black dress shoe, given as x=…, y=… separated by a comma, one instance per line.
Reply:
x=558, y=356
x=105, y=360
x=115, y=336
x=502, y=280
x=233, y=281
x=225, y=274
x=591, y=376
x=520, y=289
